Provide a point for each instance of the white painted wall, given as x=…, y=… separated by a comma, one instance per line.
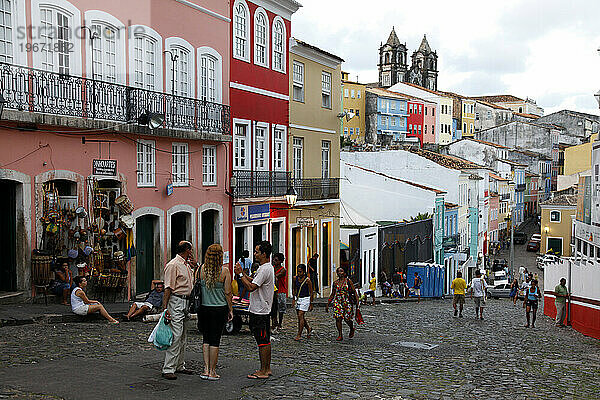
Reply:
x=406, y=165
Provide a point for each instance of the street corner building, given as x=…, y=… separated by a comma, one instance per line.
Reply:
x=115, y=138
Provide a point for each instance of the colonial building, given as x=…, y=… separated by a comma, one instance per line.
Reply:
x=260, y=97
x=393, y=64
x=121, y=102
x=353, y=104
x=514, y=103
x=314, y=157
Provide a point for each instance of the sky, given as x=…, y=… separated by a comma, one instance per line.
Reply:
x=546, y=50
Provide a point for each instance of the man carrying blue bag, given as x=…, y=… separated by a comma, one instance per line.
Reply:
x=179, y=281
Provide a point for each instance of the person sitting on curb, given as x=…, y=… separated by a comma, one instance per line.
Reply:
x=62, y=283
x=152, y=302
x=81, y=305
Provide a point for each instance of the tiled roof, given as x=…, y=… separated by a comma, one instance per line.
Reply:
x=422, y=88
x=532, y=116
x=512, y=162
x=450, y=205
x=418, y=185
x=530, y=153
x=396, y=95
x=446, y=160
x=498, y=178
x=576, y=114
x=529, y=174
x=562, y=200
x=499, y=146
x=499, y=98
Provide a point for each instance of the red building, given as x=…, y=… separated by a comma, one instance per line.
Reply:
x=259, y=96
x=415, y=119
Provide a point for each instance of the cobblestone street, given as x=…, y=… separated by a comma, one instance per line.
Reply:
x=461, y=358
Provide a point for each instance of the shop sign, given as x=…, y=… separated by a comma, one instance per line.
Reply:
x=305, y=222
x=169, y=189
x=241, y=214
x=104, y=167
x=258, y=211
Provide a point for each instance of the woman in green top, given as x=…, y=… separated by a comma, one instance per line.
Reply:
x=217, y=308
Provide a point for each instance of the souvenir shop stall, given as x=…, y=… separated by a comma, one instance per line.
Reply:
x=95, y=239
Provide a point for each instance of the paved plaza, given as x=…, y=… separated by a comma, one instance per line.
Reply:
x=404, y=351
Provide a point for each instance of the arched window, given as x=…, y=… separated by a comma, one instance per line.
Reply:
x=145, y=58
x=184, y=66
x=387, y=58
x=210, y=83
x=106, y=51
x=241, y=29
x=279, y=61
x=261, y=38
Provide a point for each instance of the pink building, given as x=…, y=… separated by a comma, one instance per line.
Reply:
x=166, y=60
x=493, y=215
x=429, y=121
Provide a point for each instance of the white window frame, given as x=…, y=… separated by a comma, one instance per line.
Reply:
x=326, y=91
x=148, y=177
x=17, y=41
x=279, y=142
x=346, y=93
x=180, y=164
x=297, y=82
x=345, y=131
x=146, y=33
x=237, y=157
x=65, y=7
x=352, y=93
x=209, y=51
x=278, y=21
x=255, y=150
x=246, y=55
x=177, y=45
x=559, y=216
x=325, y=161
x=297, y=157
x=209, y=165
x=260, y=11
x=106, y=20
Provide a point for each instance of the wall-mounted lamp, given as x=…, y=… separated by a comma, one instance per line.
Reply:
x=546, y=229
x=291, y=196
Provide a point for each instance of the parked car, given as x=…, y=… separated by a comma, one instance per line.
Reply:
x=533, y=245
x=536, y=237
x=546, y=259
x=519, y=238
x=502, y=290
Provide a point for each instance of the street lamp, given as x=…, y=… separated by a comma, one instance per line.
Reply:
x=174, y=58
x=93, y=34
x=291, y=197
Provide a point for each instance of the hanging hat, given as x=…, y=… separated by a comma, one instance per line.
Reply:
x=81, y=212
x=72, y=253
x=87, y=250
x=127, y=221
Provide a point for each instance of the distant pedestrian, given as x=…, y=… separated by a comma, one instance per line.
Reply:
x=179, y=281
x=458, y=286
x=372, y=288
x=303, y=299
x=531, y=302
x=342, y=293
x=261, y=289
x=312, y=271
x=561, y=293
x=281, y=282
x=514, y=291
x=396, y=281
x=417, y=286
x=478, y=290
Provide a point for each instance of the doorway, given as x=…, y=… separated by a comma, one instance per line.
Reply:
x=8, y=236
x=325, y=255
x=181, y=223
x=241, y=242
x=554, y=245
x=276, y=237
x=258, y=235
x=209, y=227
x=145, y=252
x=296, y=249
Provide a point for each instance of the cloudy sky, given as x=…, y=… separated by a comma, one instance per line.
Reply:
x=542, y=49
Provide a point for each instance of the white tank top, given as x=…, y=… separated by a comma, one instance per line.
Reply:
x=76, y=301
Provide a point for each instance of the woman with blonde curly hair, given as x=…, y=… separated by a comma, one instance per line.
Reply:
x=217, y=308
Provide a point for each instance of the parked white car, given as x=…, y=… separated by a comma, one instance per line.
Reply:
x=546, y=259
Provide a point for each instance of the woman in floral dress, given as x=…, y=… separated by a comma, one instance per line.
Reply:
x=340, y=296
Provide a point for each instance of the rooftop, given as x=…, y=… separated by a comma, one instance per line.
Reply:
x=396, y=95
x=447, y=161
x=497, y=177
x=499, y=98
x=562, y=200
x=450, y=205
x=487, y=103
x=532, y=116
x=513, y=163
x=315, y=48
x=418, y=185
x=499, y=146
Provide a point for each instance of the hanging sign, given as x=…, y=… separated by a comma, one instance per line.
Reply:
x=104, y=167
x=305, y=222
x=259, y=211
x=169, y=189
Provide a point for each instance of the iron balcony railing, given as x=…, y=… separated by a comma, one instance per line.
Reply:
x=29, y=89
x=253, y=184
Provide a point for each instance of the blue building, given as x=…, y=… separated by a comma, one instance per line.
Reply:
x=387, y=115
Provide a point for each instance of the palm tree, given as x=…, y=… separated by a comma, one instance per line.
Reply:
x=421, y=217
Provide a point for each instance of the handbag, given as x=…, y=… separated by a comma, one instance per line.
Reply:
x=359, y=317
x=195, y=298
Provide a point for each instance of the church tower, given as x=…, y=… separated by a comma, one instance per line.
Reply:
x=392, y=61
x=423, y=70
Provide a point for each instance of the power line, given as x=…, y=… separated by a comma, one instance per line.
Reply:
x=26, y=155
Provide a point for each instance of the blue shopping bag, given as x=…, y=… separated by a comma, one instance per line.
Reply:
x=163, y=335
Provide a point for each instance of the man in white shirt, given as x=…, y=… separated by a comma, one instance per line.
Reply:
x=261, y=290
x=478, y=290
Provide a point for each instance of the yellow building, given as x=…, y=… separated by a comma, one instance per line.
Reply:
x=314, y=158
x=353, y=105
x=468, y=117
x=556, y=224
x=579, y=158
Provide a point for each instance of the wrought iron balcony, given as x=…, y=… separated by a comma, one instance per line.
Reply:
x=519, y=187
x=254, y=184
x=29, y=89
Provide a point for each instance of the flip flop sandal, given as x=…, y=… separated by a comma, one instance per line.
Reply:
x=254, y=376
x=213, y=378
x=205, y=377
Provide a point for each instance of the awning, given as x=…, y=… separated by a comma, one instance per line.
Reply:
x=344, y=246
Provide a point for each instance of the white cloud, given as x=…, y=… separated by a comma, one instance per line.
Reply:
x=543, y=49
